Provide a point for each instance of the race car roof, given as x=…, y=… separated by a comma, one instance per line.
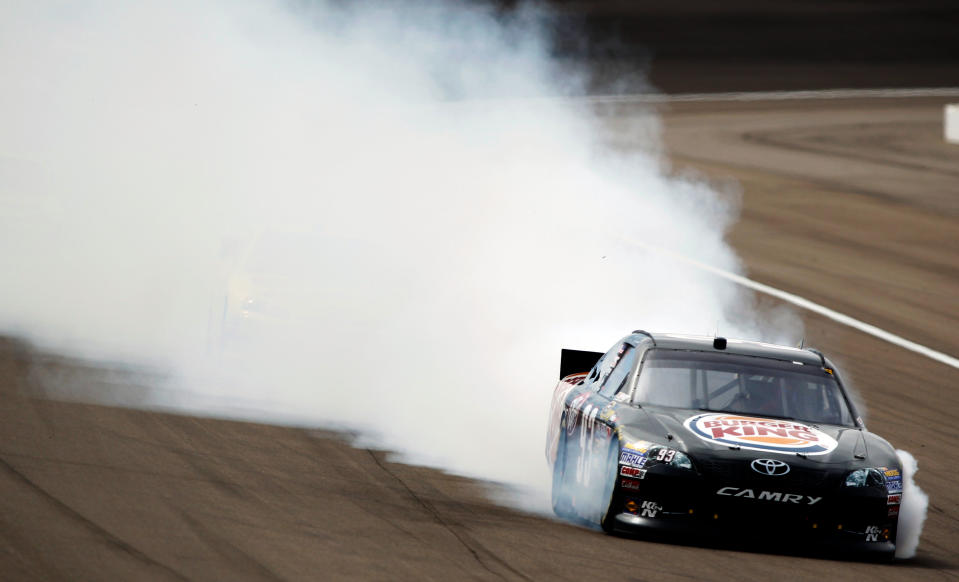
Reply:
x=733, y=346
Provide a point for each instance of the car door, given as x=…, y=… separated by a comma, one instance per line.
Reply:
x=589, y=425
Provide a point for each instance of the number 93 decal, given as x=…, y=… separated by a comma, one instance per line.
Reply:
x=665, y=455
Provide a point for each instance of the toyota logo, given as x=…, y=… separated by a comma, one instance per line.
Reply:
x=769, y=467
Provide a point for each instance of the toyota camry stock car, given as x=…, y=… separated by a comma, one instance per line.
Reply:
x=700, y=434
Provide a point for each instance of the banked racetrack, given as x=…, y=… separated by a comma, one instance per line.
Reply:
x=848, y=202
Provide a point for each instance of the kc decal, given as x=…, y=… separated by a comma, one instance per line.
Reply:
x=769, y=435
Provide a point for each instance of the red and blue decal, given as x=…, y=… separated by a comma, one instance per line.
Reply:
x=893, y=479
x=769, y=435
x=631, y=458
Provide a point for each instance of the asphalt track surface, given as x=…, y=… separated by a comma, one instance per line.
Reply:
x=851, y=203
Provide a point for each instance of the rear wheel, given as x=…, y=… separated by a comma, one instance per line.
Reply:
x=562, y=501
x=610, y=499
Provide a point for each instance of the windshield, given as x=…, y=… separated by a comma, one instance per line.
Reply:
x=741, y=384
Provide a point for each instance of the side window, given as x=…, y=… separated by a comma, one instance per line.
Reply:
x=621, y=368
x=604, y=366
x=664, y=386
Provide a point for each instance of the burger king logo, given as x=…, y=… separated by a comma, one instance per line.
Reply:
x=770, y=435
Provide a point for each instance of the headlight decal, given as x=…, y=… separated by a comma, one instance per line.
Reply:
x=671, y=457
x=872, y=477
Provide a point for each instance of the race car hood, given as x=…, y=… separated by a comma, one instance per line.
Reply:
x=723, y=434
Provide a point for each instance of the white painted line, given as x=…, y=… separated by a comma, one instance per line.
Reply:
x=889, y=93
x=950, y=123
x=811, y=306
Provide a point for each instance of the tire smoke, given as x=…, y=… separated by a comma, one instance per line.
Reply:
x=912, y=512
x=361, y=217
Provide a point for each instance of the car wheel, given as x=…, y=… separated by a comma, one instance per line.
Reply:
x=562, y=503
x=887, y=557
x=610, y=496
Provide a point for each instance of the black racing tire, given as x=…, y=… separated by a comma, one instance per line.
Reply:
x=886, y=557
x=611, y=495
x=562, y=503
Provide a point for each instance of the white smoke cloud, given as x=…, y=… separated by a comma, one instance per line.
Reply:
x=411, y=228
x=912, y=512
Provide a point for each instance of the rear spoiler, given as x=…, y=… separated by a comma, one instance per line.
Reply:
x=577, y=362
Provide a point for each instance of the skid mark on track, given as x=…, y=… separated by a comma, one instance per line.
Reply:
x=474, y=547
x=232, y=554
x=86, y=523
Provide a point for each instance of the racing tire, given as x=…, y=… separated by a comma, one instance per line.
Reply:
x=610, y=496
x=887, y=557
x=561, y=501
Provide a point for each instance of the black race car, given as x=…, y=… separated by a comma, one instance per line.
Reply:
x=736, y=438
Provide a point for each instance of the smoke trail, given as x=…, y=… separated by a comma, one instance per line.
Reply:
x=912, y=513
x=335, y=215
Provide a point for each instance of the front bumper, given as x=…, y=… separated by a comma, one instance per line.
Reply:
x=810, y=510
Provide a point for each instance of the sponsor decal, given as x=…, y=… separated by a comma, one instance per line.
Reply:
x=650, y=509
x=893, y=511
x=776, y=496
x=770, y=467
x=769, y=435
x=609, y=413
x=638, y=446
x=632, y=459
x=894, y=485
x=632, y=472
x=891, y=473
x=894, y=499
x=629, y=484
x=632, y=507
x=872, y=533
